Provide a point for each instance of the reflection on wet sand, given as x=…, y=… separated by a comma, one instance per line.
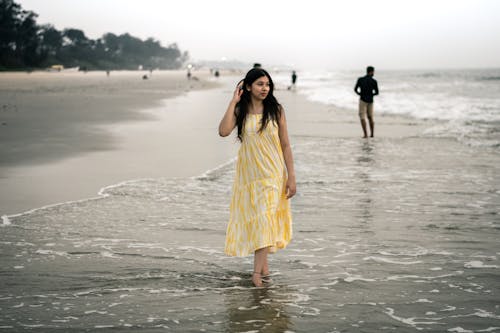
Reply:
x=365, y=160
x=258, y=309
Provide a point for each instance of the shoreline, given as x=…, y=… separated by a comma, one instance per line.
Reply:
x=47, y=116
x=164, y=142
x=396, y=226
x=63, y=129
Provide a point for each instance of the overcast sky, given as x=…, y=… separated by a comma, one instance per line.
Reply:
x=319, y=34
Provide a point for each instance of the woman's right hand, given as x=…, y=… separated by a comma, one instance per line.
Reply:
x=238, y=92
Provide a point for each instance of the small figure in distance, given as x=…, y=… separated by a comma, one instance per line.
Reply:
x=216, y=73
x=257, y=65
x=368, y=88
x=294, y=80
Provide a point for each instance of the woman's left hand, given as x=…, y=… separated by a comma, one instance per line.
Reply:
x=291, y=188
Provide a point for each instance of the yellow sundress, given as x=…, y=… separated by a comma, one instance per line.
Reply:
x=260, y=214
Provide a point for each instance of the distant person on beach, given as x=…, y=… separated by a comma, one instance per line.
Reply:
x=260, y=219
x=294, y=80
x=368, y=88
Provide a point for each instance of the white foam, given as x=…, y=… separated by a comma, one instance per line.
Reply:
x=309, y=264
x=330, y=283
x=401, y=277
x=242, y=308
x=189, y=248
x=108, y=254
x=478, y=264
x=490, y=329
x=358, y=278
x=51, y=252
x=449, y=308
x=459, y=330
x=412, y=321
x=5, y=220
x=485, y=314
x=416, y=253
x=347, y=254
x=313, y=312
x=95, y=311
x=390, y=261
x=207, y=174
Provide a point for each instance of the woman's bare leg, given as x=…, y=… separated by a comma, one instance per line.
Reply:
x=260, y=260
x=265, y=268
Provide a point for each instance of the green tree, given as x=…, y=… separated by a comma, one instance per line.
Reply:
x=19, y=40
x=23, y=44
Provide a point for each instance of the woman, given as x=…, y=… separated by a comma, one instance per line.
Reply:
x=260, y=220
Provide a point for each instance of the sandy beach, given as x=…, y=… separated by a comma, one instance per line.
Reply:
x=65, y=135
x=396, y=233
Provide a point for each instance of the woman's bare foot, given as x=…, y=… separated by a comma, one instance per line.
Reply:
x=256, y=279
x=266, y=278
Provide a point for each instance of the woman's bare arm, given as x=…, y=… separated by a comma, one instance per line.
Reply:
x=287, y=155
x=228, y=122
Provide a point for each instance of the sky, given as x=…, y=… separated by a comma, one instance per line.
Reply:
x=303, y=34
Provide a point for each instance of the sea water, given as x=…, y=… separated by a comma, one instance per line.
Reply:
x=467, y=101
x=397, y=235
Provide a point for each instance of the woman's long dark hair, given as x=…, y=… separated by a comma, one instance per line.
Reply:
x=272, y=109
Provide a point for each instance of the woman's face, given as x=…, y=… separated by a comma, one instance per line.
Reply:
x=260, y=88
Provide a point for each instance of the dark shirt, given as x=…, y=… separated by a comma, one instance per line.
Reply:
x=369, y=88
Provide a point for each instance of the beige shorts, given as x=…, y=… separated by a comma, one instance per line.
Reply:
x=365, y=109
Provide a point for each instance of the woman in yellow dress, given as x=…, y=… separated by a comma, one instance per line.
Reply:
x=260, y=220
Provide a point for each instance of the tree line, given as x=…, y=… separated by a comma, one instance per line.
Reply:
x=26, y=45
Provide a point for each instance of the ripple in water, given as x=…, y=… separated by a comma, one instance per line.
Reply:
x=397, y=235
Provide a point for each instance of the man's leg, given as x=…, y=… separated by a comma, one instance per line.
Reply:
x=363, y=125
x=370, y=119
x=372, y=126
x=362, y=116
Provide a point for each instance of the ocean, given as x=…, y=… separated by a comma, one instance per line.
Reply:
x=465, y=101
x=392, y=234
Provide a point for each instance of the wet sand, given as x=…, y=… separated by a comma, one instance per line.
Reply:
x=397, y=233
x=65, y=135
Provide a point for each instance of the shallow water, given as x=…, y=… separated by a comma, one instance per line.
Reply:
x=466, y=101
x=392, y=235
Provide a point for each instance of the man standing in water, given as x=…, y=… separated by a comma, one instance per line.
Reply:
x=368, y=88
